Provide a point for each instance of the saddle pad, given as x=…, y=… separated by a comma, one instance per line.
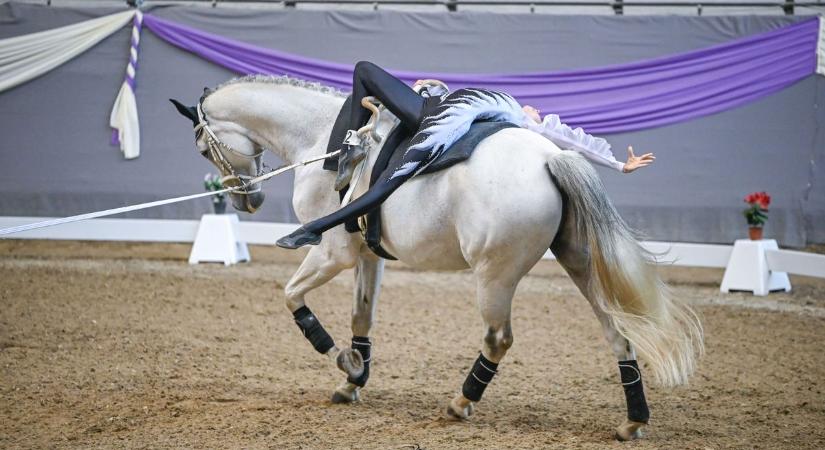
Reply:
x=460, y=151
x=393, y=151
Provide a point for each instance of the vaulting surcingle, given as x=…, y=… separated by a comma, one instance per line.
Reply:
x=452, y=119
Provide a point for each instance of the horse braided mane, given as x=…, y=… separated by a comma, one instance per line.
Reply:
x=281, y=80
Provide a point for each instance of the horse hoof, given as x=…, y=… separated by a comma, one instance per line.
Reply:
x=346, y=393
x=339, y=398
x=629, y=431
x=456, y=412
x=351, y=362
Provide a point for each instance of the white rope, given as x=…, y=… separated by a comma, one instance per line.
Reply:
x=111, y=212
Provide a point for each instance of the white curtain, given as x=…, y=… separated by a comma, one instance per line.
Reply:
x=124, y=119
x=23, y=58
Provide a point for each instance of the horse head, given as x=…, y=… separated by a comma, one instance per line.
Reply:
x=227, y=146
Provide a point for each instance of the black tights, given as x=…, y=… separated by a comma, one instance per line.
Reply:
x=369, y=79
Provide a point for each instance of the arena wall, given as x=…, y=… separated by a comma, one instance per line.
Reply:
x=55, y=157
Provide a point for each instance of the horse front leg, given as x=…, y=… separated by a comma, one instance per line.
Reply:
x=495, y=299
x=368, y=273
x=321, y=264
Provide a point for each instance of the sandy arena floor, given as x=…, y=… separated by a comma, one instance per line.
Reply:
x=127, y=346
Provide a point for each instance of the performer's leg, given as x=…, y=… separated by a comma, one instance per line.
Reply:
x=310, y=234
x=371, y=80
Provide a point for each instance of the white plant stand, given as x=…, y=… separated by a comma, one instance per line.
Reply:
x=748, y=269
x=217, y=241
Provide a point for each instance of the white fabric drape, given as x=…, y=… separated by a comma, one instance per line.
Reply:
x=124, y=119
x=23, y=58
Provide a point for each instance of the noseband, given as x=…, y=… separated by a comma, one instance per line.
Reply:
x=214, y=151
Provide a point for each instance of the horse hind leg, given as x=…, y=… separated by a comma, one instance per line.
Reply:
x=318, y=267
x=575, y=260
x=630, y=375
x=495, y=301
x=368, y=273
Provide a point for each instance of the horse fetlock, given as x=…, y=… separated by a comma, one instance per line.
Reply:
x=460, y=408
x=350, y=362
x=629, y=430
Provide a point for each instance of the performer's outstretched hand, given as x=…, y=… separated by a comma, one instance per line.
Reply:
x=634, y=162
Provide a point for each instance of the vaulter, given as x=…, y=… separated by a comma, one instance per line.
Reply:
x=438, y=118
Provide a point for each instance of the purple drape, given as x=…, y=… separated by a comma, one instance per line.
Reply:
x=608, y=99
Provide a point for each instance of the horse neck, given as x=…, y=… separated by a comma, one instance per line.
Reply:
x=293, y=122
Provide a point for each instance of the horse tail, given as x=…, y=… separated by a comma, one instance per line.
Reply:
x=623, y=280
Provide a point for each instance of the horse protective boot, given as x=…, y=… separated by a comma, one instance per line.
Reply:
x=352, y=153
x=299, y=238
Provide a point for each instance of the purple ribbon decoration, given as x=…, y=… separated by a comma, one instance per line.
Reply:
x=610, y=99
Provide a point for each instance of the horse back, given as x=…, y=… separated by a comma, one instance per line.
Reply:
x=501, y=200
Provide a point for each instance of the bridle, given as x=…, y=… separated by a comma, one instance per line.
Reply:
x=214, y=153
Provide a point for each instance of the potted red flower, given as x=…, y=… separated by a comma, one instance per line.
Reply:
x=757, y=213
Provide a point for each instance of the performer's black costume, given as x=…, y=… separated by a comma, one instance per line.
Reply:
x=437, y=121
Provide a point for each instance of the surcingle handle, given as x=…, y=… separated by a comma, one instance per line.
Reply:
x=480, y=376
x=634, y=391
x=313, y=330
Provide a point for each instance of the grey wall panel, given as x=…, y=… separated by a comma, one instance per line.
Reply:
x=55, y=158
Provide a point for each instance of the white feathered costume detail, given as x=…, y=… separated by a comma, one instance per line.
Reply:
x=451, y=119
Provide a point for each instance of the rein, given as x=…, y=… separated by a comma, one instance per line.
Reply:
x=111, y=212
x=214, y=149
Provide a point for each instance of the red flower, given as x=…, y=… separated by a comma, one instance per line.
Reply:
x=760, y=198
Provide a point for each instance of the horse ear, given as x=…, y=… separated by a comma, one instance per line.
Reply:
x=189, y=112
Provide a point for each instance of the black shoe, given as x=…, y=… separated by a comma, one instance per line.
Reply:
x=351, y=155
x=299, y=238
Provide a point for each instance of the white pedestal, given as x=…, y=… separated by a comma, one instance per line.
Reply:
x=748, y=269
x=217, y=241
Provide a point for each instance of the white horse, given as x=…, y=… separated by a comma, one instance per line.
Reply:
x=496, y=214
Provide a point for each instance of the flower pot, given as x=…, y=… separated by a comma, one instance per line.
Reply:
x=219, y=207
x=755, y=233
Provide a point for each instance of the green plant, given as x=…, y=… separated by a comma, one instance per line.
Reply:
x=757, y=211
x=213, y=183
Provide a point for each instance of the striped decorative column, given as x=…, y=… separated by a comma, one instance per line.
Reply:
x=137, y=25
x=124, y=117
